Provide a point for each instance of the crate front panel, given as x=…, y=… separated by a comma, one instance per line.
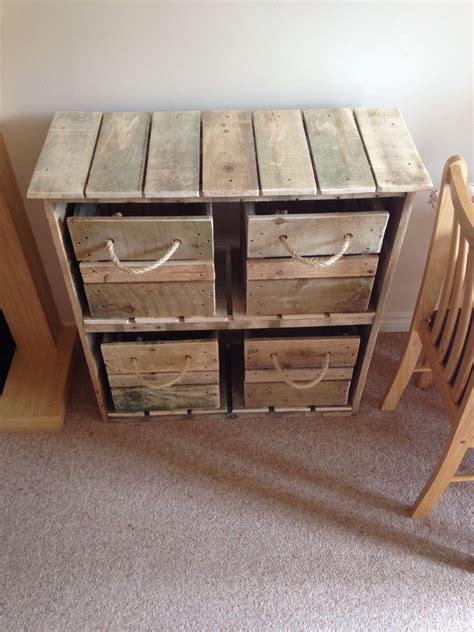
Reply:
x=161, y=356
x=143, y=300
x=142, y=238
x=301, y=359
x=308, y=296
x=182, y=397
x=313, y=234
x=138, y=373
x=279, y=394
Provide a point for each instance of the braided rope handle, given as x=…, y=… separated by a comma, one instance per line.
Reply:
x=318, y=262
x=110, y=245
x=302, y=386
x=160, y=387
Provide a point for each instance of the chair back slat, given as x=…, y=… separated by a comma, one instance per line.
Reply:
x=464, y=321
x=454, y=303
x=440, y=317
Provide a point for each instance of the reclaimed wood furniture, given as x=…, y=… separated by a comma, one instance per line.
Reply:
x=36, y=387
x=442, y=329
x=326, y=196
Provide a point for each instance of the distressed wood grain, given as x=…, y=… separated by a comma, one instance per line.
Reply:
x=284, y=161
x=229, y=165
x=395, y=161
x=63, y=165
x=338, y=152
x=174, y=155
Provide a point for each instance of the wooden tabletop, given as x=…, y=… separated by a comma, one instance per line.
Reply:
x=227, y=155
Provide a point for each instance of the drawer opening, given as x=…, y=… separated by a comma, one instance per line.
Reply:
x=135, y=210
x=314, y=206
x=164, y=336
x=304, y=332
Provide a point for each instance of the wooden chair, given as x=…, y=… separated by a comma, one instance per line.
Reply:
x=442, y=329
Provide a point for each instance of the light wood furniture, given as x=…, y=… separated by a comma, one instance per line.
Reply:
x=143, y=162
x=35, y=392
x=443, y=330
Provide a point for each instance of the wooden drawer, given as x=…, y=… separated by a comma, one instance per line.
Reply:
x=142, y=232
x=183, y=285
x=163, y=372
x=279, y=279
x=314, y=227
x=277, y=366
x=179, y=288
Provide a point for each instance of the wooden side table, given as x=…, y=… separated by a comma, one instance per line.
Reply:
x=35, y=391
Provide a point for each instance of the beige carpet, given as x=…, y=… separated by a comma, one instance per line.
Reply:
x=243, y=524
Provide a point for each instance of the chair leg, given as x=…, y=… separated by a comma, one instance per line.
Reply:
x=408, y=362
x=441, y=477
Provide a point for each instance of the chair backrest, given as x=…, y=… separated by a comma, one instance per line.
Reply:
x=448, y=282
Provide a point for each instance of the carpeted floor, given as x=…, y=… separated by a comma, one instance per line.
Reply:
x=247, y=524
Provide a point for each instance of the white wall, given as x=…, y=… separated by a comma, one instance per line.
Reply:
x=154, y=55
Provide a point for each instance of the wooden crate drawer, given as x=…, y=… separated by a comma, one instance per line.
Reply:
x=314, y=227
x=142, y=232
x=286, y=286
x=163, y=372
x=277, y=367
x=178, y=288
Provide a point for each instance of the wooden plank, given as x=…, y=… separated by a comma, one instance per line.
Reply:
x=119, y=160
x=229, y=166
x=175, y=397
x=172, y=271
x=311, y=296
x=297, y=375
x=160, y=357
x=63, y=165
x=173, y=155
x=280, y=268
x=146, y=300
x=279, y=394
x=395, y=161
x=284, y=161
x=338, y=152
x=315, y=234
x=300, y=352
x=141, y=238
x=125, y=380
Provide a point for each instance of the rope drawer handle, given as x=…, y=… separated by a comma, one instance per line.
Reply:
x=318, y=262
x=302, y=385
x=160, y=387
x=109, y=244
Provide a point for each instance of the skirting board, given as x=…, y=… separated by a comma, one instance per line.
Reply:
x=396, y=321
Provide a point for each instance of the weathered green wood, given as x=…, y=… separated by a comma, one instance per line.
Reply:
x=395, y=161
x=112, y=300
x=105, y=272
x=284, y=161
x=141, y=238
x=63, y=166
x=280, y=394
x=174, y=155
x=309, y=296
x=173, y=398
x=119, y=161
x=338, y=152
